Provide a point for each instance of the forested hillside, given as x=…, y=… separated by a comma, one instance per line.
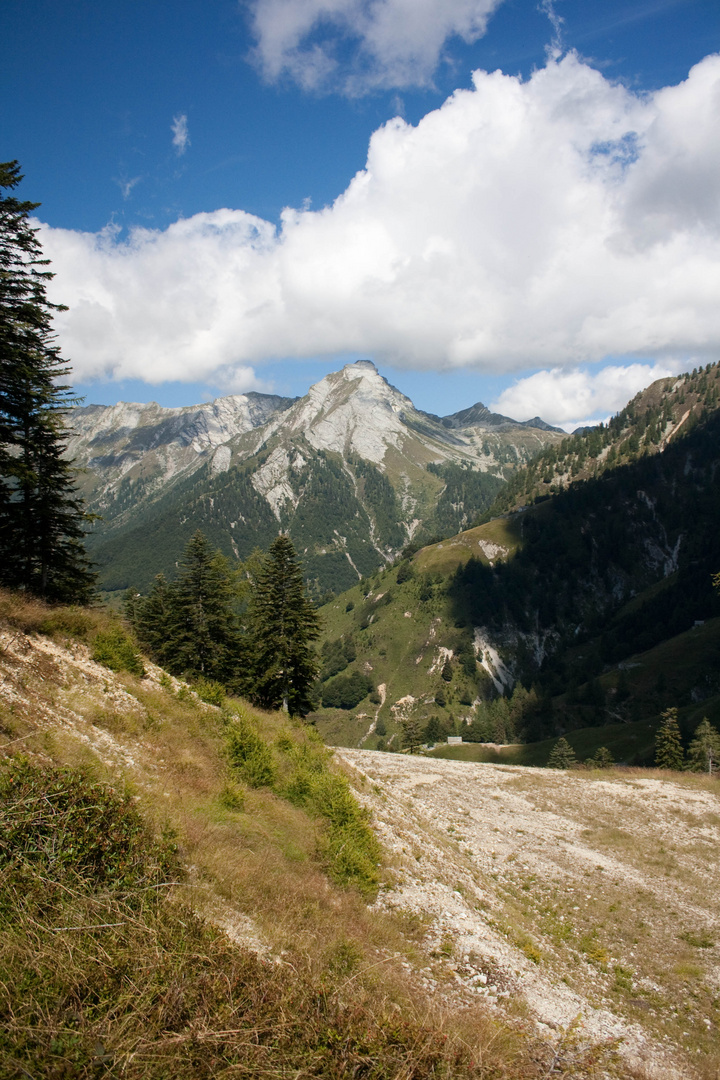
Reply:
x=555, y=602
x=655, y=416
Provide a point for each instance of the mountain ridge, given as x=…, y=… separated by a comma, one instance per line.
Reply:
x=352, y=470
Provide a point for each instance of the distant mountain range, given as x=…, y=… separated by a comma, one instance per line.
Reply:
x=352, y=470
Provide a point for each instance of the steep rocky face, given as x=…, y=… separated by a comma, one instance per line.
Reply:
x=352, y=470
x=156, y=443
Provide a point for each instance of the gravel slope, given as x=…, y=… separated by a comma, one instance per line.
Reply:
x=587, y=899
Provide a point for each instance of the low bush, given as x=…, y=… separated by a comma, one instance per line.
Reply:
x=53, y=820
x=115, y=649
x=212, y=693
x=249, y=754
x=348, y=845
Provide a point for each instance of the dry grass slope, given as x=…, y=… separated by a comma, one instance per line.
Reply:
x=233, y=950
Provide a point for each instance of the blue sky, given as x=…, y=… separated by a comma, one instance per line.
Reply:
x=545, y=241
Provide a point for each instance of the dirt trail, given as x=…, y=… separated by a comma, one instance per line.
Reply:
x=591, y=899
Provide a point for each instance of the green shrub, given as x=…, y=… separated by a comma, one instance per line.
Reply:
x=212, y=693
x=75, y=622
x=115, y=649
x=59, y=821
x=250, y=754
x=232, y=797
x=347, y=845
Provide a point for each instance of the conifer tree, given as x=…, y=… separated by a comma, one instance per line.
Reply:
x=669, y=752
x=283, y=625
x=562, y=755
x=704, y=750
x=204, y=632
x=413, y=734
x=153, y=618
x=41, y=515
x=603, y=759
x=432, y=729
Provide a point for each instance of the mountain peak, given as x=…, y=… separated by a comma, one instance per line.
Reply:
x=360, y=366
x=354, y=410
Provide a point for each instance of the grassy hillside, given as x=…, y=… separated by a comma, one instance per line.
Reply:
x=619, y=708
x=184, y=890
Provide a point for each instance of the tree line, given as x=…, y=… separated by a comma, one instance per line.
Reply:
x=250, y=630
x=703, y=753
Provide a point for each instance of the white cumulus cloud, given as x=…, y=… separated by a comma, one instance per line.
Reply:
x=569, y=399
x=181, y=138
x=550, y=223
x=361, y=45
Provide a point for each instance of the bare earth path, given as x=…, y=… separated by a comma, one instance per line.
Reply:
x=586, y=898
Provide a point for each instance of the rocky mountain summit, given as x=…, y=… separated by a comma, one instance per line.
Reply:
x=352, y=470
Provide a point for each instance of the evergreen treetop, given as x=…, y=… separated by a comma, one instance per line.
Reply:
x=704, y=750
x=205, y=632
x=413, y=734
x=189, y=626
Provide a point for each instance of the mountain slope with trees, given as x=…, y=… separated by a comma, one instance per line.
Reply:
x=541, y=614
x=665, y=410
x=352, y=472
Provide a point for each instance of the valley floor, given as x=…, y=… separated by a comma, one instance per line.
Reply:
x=588, y=899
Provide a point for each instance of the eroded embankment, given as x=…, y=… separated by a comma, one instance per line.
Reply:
x=590, y=897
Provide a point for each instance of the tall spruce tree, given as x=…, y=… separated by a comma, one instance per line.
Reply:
x=669, y=753
x=283, y=626
x=154, y=620
x=204, y=633
x=41, y=515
